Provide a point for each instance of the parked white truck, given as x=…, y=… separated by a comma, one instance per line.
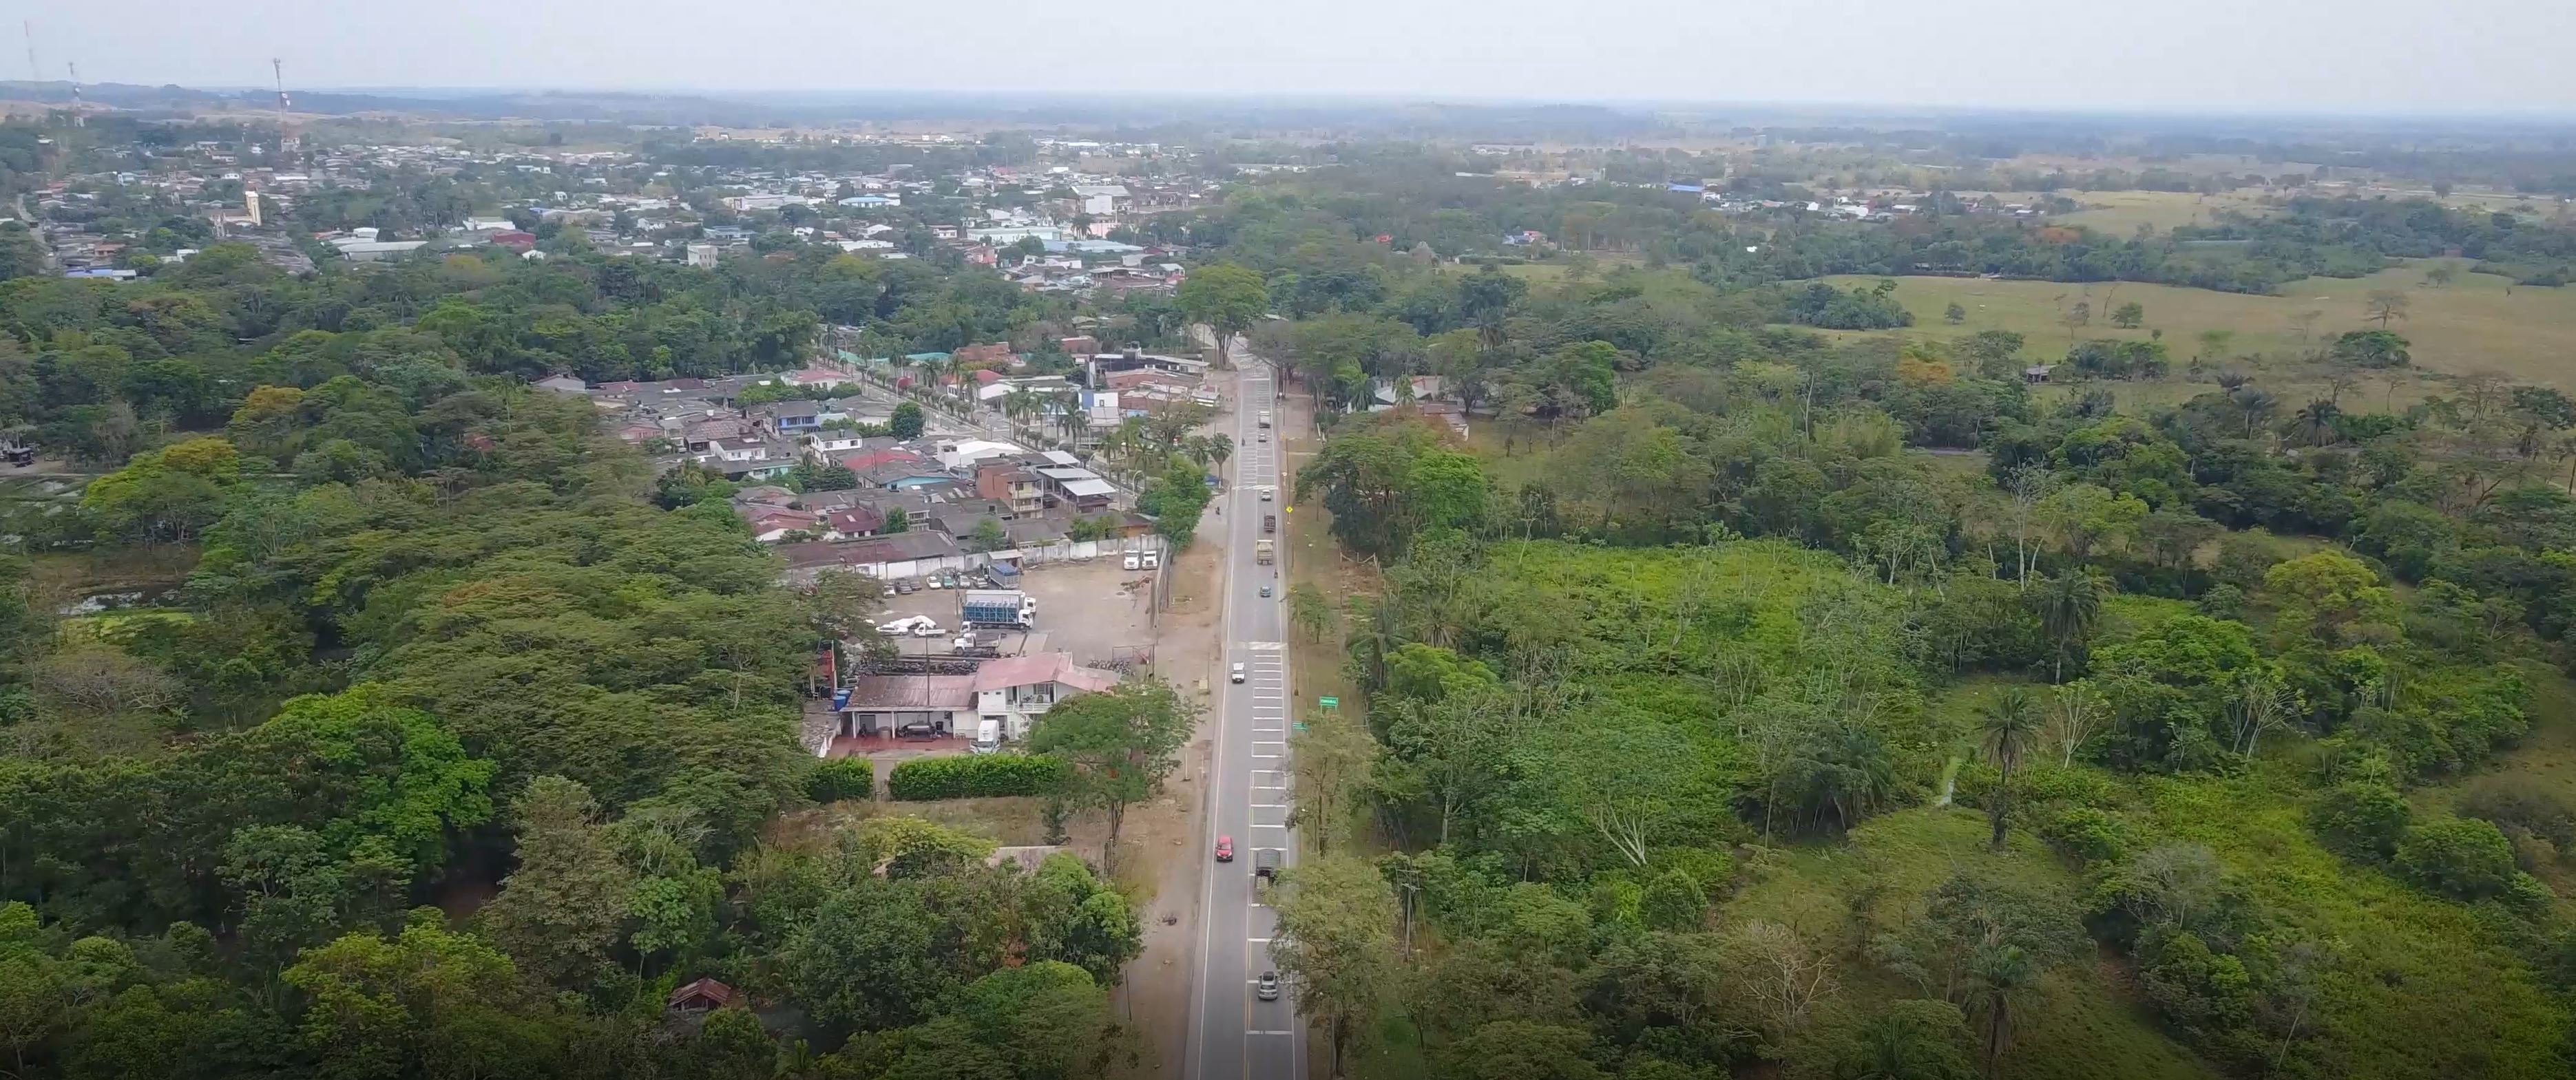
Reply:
x=998, y=607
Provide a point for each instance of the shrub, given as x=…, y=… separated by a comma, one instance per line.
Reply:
x=1713, y=870
x=2094, y=836
x=2517, y=803
x=2529, y=894
x=1673, y=902
x=974, y=777
x=842, y=778
x=2461, y=857
x=2362, y=819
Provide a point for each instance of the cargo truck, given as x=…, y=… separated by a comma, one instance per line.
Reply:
x=1261, y=551
x=998, y=607
x=1265, y=418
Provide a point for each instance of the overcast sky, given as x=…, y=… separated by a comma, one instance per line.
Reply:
x=2164, y=55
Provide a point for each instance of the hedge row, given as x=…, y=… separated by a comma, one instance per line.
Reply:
x=974, y=776
x=842, y=778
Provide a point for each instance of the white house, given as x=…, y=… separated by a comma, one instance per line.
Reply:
x=1013, y=690
x=963, y=453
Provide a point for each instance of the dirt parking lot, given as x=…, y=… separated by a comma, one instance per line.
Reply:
x=1095, y=610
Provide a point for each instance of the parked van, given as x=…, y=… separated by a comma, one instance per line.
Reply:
x=988, y=737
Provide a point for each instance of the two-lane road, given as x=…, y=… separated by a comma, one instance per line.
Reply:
x=1233, y=1034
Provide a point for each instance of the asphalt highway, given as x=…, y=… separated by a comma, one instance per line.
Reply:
x=1233, y=1034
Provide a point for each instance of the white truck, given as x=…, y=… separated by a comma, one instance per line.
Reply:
x=1262, y=551
x=998, y=607
x=1153, y=559
x=914, y=625
x=1265, y=418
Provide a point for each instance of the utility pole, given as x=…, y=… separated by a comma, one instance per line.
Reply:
x=34, y=73
x=78, y=118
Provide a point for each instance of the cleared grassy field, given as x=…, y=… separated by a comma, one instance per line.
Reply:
x=2478, y=322
x=1557, y=269
x=2119, y=213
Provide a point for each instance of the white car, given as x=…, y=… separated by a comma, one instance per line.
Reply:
x=1265, y=494
x=1238, y=673
x=927, y=630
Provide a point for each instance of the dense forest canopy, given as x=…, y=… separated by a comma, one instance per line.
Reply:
x=464, y=740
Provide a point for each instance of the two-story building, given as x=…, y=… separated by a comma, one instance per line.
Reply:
x=1010, y=482
x=1079, y=488
x=789, y=419
x=741, y=458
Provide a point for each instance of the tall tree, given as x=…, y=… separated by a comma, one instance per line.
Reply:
x=559, y=913
x=425, y=1002
x=1309, y=611
x=1227, y=297
x=1334, y=947
x=1121, y=744
x=2069, y=604
x=2001, y=983
x=2006, y=729
x=2384, y=305
x=1331, y=760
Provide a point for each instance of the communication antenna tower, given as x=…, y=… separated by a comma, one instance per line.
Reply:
x=277, y=67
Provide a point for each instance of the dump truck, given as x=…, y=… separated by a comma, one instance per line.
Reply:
x=1261, y=552
x=997, y=607
x=1270, y=523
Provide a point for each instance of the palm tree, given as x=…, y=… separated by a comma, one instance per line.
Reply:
x=2256, y=402
x=1999, y=980
x=2317, y=419
x=1019, y=403
x=1220, y=448
x=2006, y=729
x=2069, y=605
x=1075, y=422
x=1847, y=774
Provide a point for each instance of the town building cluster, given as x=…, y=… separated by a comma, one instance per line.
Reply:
x=1074, y=222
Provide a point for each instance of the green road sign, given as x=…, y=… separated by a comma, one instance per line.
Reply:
x=1329, y=702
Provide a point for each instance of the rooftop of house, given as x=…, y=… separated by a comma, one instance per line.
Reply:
x=916, y=544
x=704, y=991
x=766, y=494
x=874, y=692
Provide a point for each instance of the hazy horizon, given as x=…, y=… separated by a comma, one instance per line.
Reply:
x=2308, y=57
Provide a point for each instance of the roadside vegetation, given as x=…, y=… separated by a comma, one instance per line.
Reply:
x=1718, y=729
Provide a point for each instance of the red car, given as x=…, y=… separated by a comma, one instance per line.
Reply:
x=1225, y=849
